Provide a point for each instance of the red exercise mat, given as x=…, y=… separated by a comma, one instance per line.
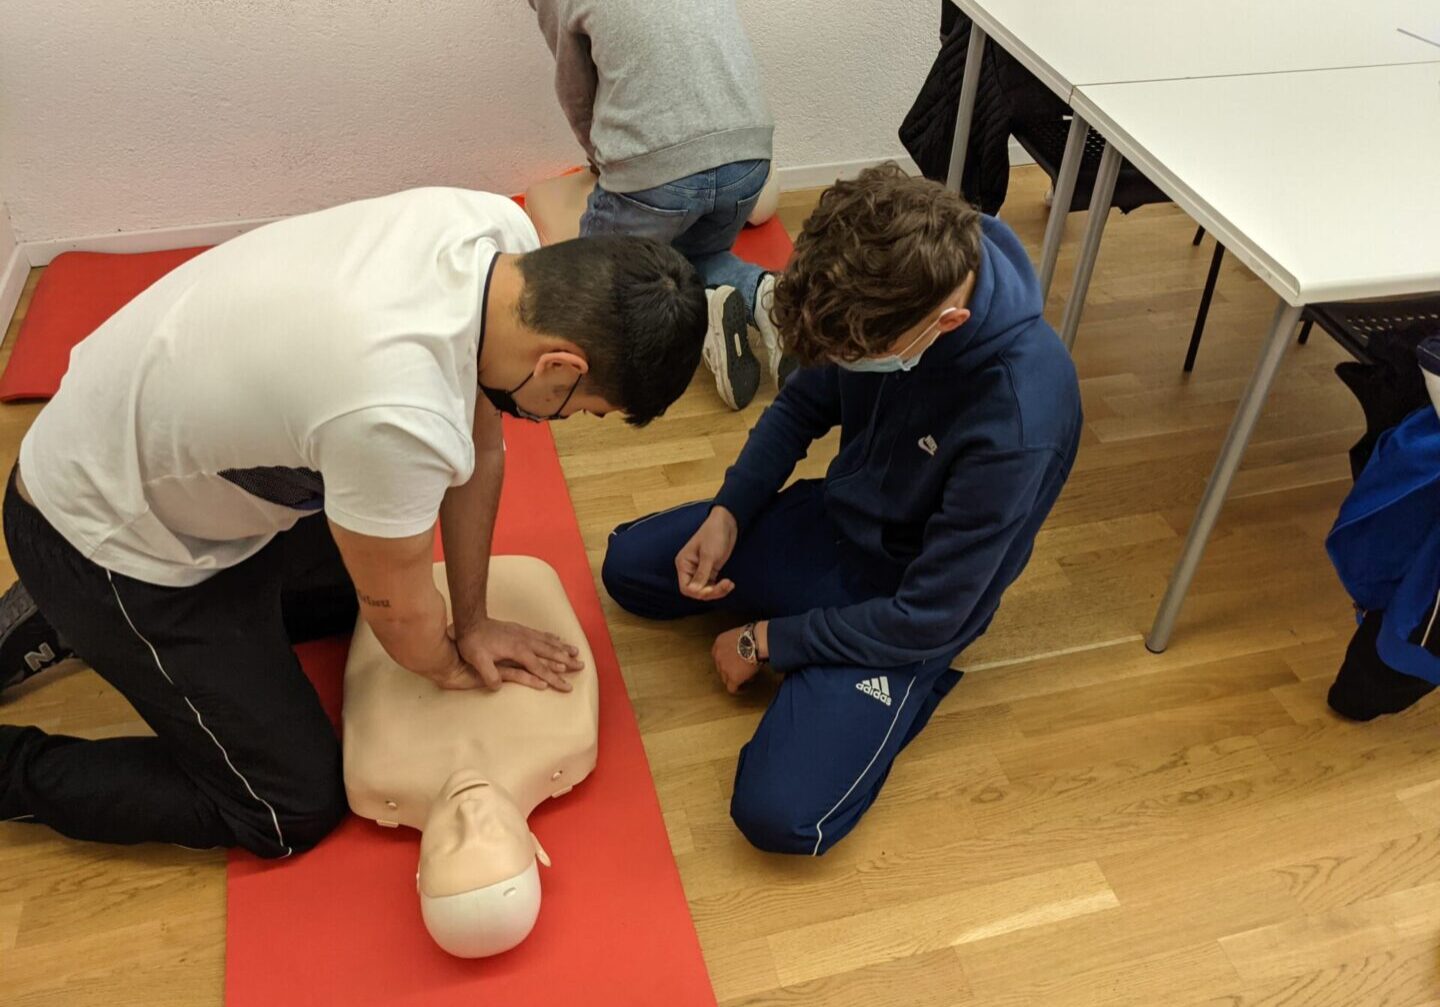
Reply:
x=341, y=924
x=79, y=290
x=768, y=246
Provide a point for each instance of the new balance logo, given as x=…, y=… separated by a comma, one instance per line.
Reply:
x=876, y=688
x=38, y=659
x=929, y=445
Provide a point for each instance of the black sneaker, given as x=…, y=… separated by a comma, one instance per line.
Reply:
x=727, y=349
x=28, y=644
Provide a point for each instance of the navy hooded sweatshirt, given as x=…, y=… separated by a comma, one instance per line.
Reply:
x=944, y=476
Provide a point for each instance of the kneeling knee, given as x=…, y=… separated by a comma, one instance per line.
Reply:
x=614, y=573
x=630, y=578
x=770, y=822
x=297, y=825
x=303, y=832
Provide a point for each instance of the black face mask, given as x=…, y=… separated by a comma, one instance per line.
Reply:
x=505, y=401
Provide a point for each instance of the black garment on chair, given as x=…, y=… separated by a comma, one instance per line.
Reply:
x=928, y=131
x=1009, y=99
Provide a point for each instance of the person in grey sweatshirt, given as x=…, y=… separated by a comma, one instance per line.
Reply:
x=666, y=100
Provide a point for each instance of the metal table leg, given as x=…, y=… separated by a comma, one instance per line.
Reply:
x=1271, y=353
x=1090, y=246
x=965, y=114
x=1060, y=205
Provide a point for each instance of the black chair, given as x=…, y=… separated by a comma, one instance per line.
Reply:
x=1204, y=311
x=1355, y=325
x=1044, y=140
x=1352, y=324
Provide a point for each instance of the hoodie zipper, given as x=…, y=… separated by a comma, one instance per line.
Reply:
x=869, y=431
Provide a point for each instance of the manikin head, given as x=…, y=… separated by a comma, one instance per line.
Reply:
x=479, y=883
x=599, y=324
x=883, y=269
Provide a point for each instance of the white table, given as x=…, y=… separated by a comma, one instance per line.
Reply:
x=1071, y=43
x=1076, y=43
x=1323, y=183
x=1326, y=184
x=1429, y=32
x=1102, y=58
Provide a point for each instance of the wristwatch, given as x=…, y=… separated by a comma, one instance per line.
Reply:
x=746, y=646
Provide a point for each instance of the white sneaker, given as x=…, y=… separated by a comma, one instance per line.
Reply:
x=779, y=365
x=727, y=349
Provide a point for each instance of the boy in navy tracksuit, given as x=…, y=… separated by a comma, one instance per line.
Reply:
x=960, y=417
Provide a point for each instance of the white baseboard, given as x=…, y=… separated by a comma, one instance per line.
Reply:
x=40, y=253
x=1018, y=154
x=816, y=176
x=12, y=284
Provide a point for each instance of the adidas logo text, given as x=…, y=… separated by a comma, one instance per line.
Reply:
x=876, y=688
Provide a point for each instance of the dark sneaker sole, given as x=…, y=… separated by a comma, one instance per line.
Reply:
x=741, y=378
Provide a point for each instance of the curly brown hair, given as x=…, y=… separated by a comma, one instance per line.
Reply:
x=876, y=256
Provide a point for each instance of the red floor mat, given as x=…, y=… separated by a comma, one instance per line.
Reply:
x=341, y=924
x=79, y=290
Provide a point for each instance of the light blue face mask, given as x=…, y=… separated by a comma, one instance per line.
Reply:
x=892, y=362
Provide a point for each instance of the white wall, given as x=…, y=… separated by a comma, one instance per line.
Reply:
x=14, y=268
x=169, y=113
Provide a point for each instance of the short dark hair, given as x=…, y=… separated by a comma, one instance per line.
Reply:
x=876, y=256
x=636, y=308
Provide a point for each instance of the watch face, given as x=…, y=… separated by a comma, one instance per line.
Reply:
x=746, y=646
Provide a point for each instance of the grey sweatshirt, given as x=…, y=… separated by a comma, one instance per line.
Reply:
x=656, y=89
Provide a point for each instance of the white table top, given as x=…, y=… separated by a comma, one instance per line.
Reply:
x=1429, y=31
x=1071, y=43
x=1324, y=183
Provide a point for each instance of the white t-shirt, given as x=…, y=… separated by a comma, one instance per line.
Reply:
x=325, y=361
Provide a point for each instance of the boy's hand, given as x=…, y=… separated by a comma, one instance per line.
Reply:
x=734, y=670
x=699, y=562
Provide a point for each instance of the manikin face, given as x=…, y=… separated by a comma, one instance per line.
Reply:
x=479, y=885
x=475, y=836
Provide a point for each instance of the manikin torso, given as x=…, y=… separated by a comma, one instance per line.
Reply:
x=467, y=767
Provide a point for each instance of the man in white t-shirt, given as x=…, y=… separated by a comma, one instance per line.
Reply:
x=166, y=522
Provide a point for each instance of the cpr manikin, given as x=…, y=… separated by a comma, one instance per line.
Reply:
x=556, y=205
x=467, y=767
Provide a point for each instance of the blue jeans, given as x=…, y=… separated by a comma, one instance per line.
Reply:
x=701, y=215
x=825, y=745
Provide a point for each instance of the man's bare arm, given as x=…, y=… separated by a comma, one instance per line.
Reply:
x=398, y=600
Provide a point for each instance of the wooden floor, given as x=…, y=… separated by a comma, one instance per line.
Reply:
x=1082, y=822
